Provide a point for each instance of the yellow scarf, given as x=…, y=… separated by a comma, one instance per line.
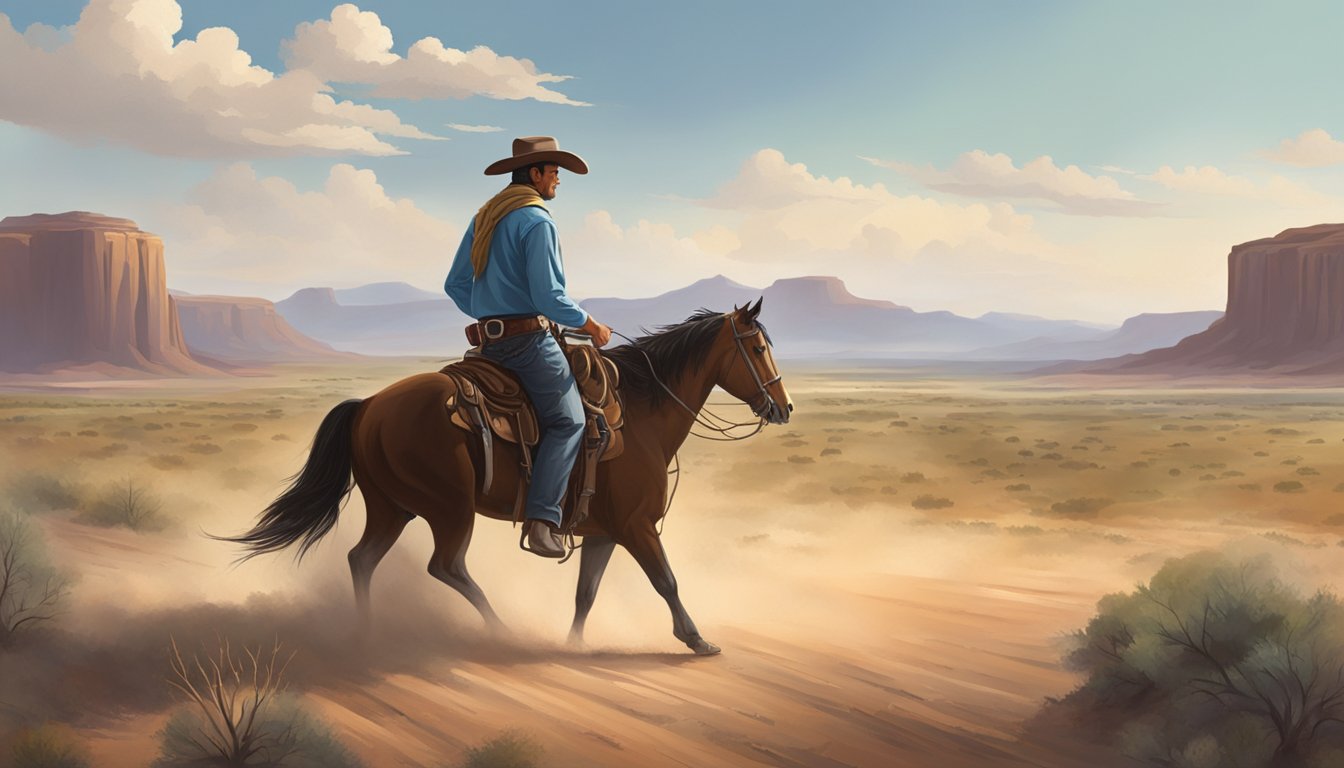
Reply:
x=510, y=199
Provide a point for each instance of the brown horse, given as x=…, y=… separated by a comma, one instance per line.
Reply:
x=409, y=460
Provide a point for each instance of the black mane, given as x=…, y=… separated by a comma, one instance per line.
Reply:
x=671, y=349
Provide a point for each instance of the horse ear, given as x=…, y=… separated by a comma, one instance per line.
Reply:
x=756, y=310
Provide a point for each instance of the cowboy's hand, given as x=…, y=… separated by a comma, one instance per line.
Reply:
x=601, y=334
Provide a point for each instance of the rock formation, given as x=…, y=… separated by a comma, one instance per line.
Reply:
x=80, y=288
x=242, y=330
x=1285, y=311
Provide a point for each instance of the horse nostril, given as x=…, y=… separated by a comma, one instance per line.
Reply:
x=790, y=407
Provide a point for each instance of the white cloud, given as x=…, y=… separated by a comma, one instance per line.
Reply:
x=118, y=75
x=1210, y=181
x=790, y=213
x=980, y=174
x=353, y=46
x=1311, y=149
x=604, y=258
x=238, y=229
x=465, y=128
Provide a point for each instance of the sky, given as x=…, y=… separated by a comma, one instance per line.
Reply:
x=1089, y=161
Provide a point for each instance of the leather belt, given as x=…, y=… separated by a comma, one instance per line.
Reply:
x=493, y=329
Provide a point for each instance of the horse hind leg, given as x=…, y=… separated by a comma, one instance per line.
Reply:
x=383, y=526
x=593, y=559
x=452, y=536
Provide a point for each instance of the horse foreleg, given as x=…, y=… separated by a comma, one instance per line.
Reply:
x=647, y=549
x=593, y=558
x=383, y=525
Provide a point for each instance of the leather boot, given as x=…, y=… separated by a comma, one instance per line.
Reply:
x=543, y=539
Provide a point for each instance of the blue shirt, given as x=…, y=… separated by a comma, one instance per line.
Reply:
x=524, y=275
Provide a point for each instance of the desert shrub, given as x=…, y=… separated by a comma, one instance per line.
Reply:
x=802, y=460
x=290, y=736
x=238, y=715
x=929, y=501
x=511, y=749
x=1214, y=662
x=38, y=492
x=1288, y=486
x=50, y=746
x=129, y=504
x=31, y=591
x=1079, y=507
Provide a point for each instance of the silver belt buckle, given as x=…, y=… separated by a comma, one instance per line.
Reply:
x=492, y=323
x=545, y=324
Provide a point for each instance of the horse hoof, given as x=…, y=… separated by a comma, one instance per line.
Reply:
x=705, y=648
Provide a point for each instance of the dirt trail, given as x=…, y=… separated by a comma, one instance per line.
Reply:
x=948, y=683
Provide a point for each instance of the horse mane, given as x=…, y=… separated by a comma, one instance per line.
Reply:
x=671, y=349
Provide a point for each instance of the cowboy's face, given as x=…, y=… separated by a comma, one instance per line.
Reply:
x=546, y=182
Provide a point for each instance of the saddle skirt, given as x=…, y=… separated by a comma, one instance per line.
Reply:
x=490, y=401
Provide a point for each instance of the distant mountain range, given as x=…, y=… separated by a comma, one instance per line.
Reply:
x=419, y=326
x=806, y=317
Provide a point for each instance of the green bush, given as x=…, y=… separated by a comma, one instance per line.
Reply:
x=50, y=746
x=287, y=737
x=39, y=492
x=31, y=591
x=1214, y=662
x=511, y=749
x=128, y=504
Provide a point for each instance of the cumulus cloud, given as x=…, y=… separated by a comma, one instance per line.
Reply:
x=1210, y=181
x=980, y=174
x=790, y=213
x=353, y=46
x=605, y=258
x=1311, y=149
x=118, y=75
x=238, y=230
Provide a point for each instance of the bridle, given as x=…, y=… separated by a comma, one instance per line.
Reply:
x=706, y=418
x=767, y=408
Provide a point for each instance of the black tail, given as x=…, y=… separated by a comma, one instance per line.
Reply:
x=308, y=509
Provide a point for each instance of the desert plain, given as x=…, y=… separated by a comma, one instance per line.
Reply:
x=893, y=575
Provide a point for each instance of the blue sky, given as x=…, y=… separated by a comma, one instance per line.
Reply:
x=971, y=156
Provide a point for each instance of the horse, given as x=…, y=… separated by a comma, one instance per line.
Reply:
x=409, y=460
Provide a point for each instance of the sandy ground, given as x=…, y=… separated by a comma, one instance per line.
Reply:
x=892, y=575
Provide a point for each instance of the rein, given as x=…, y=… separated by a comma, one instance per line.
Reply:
x=724, y=426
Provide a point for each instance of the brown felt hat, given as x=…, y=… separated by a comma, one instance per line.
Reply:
x=537, y=149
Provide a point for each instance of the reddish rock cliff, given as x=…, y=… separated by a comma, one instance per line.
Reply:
x=79, y=288
x=237, y=329
x=1285, y=311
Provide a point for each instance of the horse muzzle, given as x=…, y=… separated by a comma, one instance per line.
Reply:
x=772, y=412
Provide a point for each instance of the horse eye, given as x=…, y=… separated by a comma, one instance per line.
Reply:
x=760, y=350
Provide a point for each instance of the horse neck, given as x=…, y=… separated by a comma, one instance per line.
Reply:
x=672, y=423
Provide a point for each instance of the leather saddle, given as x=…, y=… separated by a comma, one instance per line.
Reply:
x=489, y=401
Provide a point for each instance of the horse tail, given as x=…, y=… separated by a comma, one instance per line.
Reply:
x=309, y=507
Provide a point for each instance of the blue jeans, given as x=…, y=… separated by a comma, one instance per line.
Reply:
x=541, y=366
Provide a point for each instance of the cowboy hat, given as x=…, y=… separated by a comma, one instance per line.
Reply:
x=537, y=149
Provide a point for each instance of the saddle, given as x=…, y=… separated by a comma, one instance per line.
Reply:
x=490, y=401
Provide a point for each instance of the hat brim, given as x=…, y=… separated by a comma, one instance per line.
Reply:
x=567, y=160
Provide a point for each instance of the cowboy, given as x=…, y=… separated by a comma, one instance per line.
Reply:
x=508, y=274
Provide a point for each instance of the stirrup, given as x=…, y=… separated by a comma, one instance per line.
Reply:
x=522, y=544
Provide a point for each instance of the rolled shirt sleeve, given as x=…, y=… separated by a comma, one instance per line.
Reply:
x=546, y=276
